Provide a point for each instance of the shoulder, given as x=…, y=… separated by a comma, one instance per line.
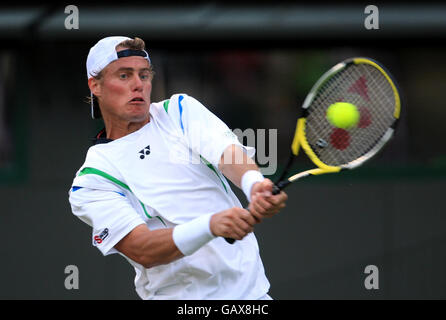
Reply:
x=97, y=156
x=179, y=110
x=97, y=170
x=177, y=103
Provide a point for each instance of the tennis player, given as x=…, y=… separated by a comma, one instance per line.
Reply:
x=153, y=186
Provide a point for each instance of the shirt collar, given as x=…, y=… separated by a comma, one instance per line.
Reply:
x=101, y=137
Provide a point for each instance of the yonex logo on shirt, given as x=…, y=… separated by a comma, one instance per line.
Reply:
x=144, y=152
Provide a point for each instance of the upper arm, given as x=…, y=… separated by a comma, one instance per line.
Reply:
x=234, y=162
x=205, y=133
x=132, y=244
x=109, y=213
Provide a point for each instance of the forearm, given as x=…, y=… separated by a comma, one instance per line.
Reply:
x=162, y=246
x=234, y=163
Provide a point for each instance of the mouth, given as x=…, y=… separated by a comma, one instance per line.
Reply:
x=137, y=100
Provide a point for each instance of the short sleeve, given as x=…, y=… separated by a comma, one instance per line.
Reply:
x=205, y=133
x=109, y=213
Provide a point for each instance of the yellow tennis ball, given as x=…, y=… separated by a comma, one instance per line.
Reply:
x=343, y=115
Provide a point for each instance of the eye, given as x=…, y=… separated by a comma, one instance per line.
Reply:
x=144, y=76
x=123, y=76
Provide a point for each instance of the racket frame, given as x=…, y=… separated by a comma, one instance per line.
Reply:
x=300, y=140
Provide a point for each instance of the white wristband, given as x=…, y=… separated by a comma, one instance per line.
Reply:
x=192, y=235
x=248, y=179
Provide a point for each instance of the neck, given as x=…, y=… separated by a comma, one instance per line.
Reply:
x=119, y=129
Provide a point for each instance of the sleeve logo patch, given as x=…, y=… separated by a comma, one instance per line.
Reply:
x=98, y=239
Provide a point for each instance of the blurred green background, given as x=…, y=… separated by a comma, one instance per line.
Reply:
x=252, y=66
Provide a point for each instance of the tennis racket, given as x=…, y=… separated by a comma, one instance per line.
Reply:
x=362, y=82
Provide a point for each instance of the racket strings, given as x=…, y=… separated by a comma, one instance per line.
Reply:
x=363, y=137
x=361, y=140
x=367, y=88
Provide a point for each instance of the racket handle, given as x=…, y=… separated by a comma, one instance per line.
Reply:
x=280, y=186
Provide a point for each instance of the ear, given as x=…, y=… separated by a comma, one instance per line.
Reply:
x=95, y=86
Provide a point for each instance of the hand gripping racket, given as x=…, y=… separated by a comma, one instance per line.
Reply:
x=362, y=82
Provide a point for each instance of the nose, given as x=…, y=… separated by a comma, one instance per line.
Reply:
x=137, y=84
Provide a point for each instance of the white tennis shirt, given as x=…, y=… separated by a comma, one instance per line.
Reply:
x=162, y=175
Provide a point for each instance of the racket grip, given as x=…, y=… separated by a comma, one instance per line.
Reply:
x=280, y=186
x=276, y=190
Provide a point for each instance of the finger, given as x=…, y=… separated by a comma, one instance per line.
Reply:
x=259, y=211
x=254, y=212
x=270, y=209
x=257, y=217
x=249, y=218
x=244, y=226
x=277, y=208
x=277, y=199
x=263, y=203
x=256, y=207
x=267, y=188
x=267, y=206
x=268, y=184
x=239, y=230
x=237, y=227
x=282, y=197
x=231, y=231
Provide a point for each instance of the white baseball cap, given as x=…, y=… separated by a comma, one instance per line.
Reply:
x=101, y=55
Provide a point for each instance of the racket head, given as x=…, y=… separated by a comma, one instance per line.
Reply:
x=365, y=83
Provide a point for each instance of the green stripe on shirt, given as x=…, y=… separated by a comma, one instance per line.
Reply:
x=98, y=172
x=210, y=166
x=166, y=104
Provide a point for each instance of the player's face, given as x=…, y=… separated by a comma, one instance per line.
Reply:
x=124, y=90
